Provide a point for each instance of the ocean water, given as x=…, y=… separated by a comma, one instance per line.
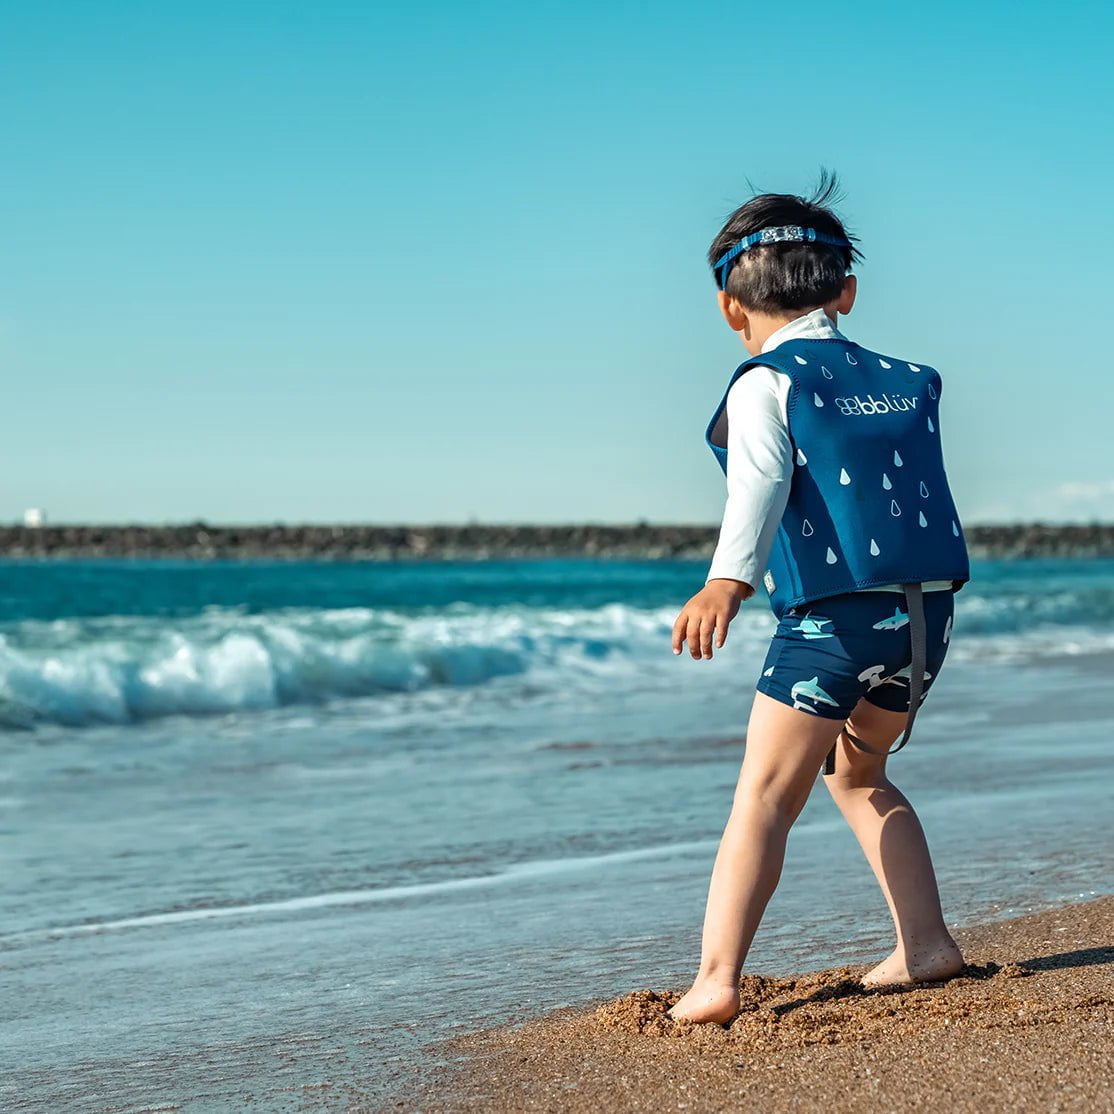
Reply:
x=269, y=830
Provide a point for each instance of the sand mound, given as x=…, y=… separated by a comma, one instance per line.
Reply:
x=833, y=1007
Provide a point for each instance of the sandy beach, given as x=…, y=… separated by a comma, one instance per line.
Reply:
x=1028, y=1026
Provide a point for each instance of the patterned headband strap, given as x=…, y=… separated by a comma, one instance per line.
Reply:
x=781, y=234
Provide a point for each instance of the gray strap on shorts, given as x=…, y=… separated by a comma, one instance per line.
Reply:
x=914, y=604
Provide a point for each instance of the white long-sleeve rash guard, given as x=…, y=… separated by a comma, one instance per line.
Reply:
x=760, y=463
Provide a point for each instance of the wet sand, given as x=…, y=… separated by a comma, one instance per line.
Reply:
x=1028, y=1026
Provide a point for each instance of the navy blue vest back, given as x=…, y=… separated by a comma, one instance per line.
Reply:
x=869, y=502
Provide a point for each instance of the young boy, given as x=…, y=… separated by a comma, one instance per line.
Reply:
x=838, y=501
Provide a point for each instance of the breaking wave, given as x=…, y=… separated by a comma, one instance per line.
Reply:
x=124, y=669
x=128, y=669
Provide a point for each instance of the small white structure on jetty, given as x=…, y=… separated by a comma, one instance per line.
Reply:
x=34, y=517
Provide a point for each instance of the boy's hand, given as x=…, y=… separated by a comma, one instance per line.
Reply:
x=711, y=609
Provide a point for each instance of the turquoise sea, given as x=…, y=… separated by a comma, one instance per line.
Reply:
x=270, y=829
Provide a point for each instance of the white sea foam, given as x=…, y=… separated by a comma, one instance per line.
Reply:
x=124, y=669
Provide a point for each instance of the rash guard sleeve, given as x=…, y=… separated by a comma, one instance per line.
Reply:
x=759, y=474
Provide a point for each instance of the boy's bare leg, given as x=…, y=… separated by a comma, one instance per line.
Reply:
x=893, y=841
x=785, y=748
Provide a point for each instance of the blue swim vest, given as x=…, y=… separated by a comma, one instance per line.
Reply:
x=869, y=502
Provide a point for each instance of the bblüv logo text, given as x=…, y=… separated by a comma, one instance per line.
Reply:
x=872, y=405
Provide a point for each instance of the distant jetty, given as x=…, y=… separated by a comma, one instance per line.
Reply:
x=204, y=541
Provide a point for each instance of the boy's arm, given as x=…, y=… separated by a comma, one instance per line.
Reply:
x=759, y=475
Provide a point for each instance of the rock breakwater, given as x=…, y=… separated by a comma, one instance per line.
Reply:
x=473, y=541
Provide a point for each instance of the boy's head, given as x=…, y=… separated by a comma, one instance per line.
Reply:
x=800, y=263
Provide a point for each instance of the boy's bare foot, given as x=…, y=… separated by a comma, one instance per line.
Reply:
x=706, y=1001
x=926, y=964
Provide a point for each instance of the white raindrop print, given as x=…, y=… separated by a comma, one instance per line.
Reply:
x=895, y=510
x=897, y=458
x=770, y=672
x=874, y=550
x=844, y=478
x=955, y=529
x=817, y=399
x=947, y=630
x=913, y=367
x=851, y=359
x=831, y=557
x=884, y=363
x=931, y=391
x=921, y=518
x=806, y=529
x=825, y=372
x=800, y=360
x=801, y=458
x=924, y=490
x=931, y=427
x=886, y=485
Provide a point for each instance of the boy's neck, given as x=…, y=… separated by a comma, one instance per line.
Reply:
x=763, y=325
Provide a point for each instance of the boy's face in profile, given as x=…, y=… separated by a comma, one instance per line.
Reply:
x=754, y=327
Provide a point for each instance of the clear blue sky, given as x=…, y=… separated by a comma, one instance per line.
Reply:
x=397, y=262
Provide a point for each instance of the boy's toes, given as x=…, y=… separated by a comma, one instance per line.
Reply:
x=931, y=965
x=890, y=972
x=706, y=1004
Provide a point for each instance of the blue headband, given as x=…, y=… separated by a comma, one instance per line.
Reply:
x=781, y=234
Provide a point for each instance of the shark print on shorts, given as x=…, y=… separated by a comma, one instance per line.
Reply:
x=852, y=647
x=812, y=691
x=811, y=627
x=895, y=622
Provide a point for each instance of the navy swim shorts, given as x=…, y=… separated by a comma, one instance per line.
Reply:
x=825, y=655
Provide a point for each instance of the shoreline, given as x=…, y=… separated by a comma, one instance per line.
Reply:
x=1028, y=1025
x=473, y=541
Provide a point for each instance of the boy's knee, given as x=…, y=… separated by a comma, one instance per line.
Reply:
x=856, y=769
x=781, y=801
x=849, y=779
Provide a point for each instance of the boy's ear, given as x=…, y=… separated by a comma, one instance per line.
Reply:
x=733, y=313
x=847, y=295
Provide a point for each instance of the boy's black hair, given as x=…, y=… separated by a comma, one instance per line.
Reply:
x=773, y=278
